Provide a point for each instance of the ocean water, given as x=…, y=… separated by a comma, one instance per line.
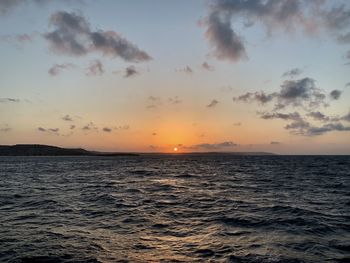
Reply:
x=175, y=209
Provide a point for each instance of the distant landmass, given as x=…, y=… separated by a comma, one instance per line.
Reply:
x=47, y=150
x=212, y=153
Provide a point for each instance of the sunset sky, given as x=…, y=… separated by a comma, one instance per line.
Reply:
x=148, y=76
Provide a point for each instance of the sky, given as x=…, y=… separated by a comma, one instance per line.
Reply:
x=152, y=75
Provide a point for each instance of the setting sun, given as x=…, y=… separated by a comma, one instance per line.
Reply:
x=175, y=149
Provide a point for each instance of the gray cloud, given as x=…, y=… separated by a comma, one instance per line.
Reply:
x=292, y=73
x=226, y=44
x=297, y=92
x=347, y=85
x=122, y=127
x=346, y=117
x=214, y=146
x=72, y=127
x=259, y=96
x=237, y=124
x=7, y=5
x=284, y=15
x=9, y=100
x=154, y=102
x=298, y=127
x=21, y=38
x=335, y=94
x=318, y=116
x=153, y=98
x=67, y=118
x=57, y=68
x=49, y=130
x=175, y=100
x=312, y=131
x=206, y=66
x=5, y=128
x=130, y=72
x=274, y=143
x=90, y=127
x=213, y=103
x=344, y=39
x=337, y=18
x=95, y=68
x=106, y=129
x=187, y=70
x=284, y=116
x=302, y=92
x=72, y=36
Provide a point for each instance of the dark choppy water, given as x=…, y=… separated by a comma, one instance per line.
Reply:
x=175, y=209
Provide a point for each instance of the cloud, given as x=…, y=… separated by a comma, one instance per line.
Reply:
x=153, y=98
x=284, y=15
x=316, y=115
x=9, y=100
x=213, y=103
x=106, y=129
x=292, y=73
x=296, y=92
x=284, y=116
x=20, y=38
x=72, y=127
x=154, y=102
x=335, y=94
x=225, y=42
x=346, y=117
x=154, y=134
x=274, y=143
x=7, y=5
x=237, y=124
x=67, y=118
x=72, y=36
x=49, y=130
x=298, y=127
x=95, y=68
x=259, y=96
x=5, y=128
x=90, y=127
x=214, y=146
x=187, y=70
x=302, y=92
x=344, y=39
x=122, y=127
x=206, y=66
x=57, y=68
x=347, y=85
x=312, y=131
x=175, y=100
x=130, y=72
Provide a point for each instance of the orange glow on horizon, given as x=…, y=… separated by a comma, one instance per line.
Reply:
x=175, y=149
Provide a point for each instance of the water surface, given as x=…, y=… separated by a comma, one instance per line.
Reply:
x=175, y=209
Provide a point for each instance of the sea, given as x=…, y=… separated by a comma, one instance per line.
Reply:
x=175, y=208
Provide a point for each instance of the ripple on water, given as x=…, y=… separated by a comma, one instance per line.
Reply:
x=175, y=209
